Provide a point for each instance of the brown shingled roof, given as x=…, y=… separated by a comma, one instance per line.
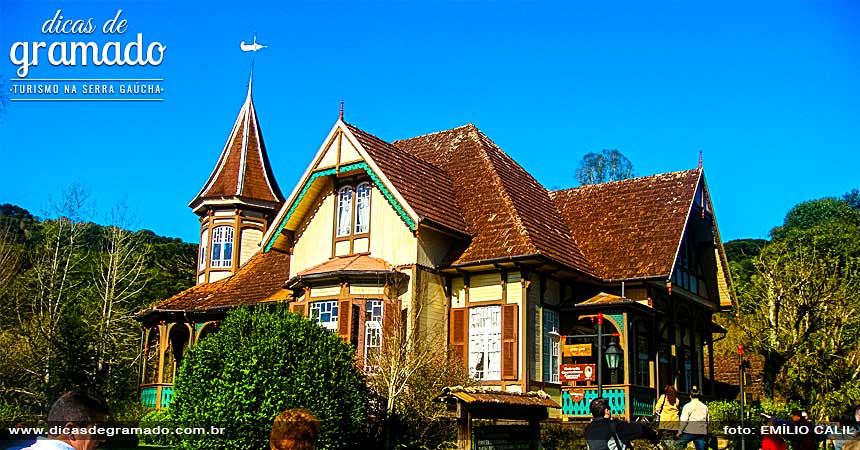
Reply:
x=260, y=278
x=494, y=397
x=425, y=187
x=357, y=263
x=508, y=212
x=243, y=169
x=631, y=228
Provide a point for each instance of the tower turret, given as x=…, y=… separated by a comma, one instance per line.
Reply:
x=238, y=202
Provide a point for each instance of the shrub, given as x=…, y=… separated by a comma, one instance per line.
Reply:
x=156, y=419
x=260, y=363
x=563, y=436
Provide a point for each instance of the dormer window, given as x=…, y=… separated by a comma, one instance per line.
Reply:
x=362, y=208
x=222, y=247
x=344, y=211
x=352, y=219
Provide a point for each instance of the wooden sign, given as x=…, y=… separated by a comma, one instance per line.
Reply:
x=577, y=350
x=496, y=437
x=575, y=394
x=577, y=372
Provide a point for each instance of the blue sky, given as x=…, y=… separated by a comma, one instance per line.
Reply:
x=767, y=90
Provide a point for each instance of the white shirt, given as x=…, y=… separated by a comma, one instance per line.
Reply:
x=694, y=418
x=49, y=444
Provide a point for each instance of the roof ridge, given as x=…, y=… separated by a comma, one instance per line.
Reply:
x=468, y=125
x=404, y=151
x=626, y=180
x=506, y=197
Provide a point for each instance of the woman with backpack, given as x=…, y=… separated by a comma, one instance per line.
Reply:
x=668, y=407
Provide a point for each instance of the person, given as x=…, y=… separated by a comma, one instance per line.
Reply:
x=799, y=441
x=667, y=407
x=294, y=429
x=771, y=441
x=606, y=433
x=72, y=410
x=694, y=422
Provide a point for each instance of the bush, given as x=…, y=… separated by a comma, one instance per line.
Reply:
x=156, y=419
x=262, y=362
x=563, y=436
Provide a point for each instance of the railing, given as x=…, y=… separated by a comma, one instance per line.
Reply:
x=148, y=396
x=617, y=402
x=166, y=396
x=642, y=401
x=156, y=395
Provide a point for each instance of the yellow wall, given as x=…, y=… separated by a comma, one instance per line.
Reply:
x=430, y=296
x=485, y=287
x=314, y=235
x=390, y=238
x=251, y=238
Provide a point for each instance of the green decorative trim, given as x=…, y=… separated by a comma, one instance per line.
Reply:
x=619, y=320
x=326, y=172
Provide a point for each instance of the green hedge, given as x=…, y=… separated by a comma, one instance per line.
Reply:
x=262, y=362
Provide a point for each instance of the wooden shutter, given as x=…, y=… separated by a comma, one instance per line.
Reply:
x=298, y=309
x=344, y=317
x=510, y=326
x=459, y=331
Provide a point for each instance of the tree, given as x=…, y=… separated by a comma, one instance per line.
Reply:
x=808, y=214
x=608, y=165
x=410, y=370
x=260, y=363
x=852, y=198
x=118, y=278
x=800, y=310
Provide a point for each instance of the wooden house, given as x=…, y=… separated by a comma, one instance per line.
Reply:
x=449, y=232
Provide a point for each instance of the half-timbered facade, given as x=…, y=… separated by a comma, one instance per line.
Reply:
x=448, y=232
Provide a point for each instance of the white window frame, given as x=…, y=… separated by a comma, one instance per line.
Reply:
x=202, y=263
x=362, y=208
x=344, y=211
x=552, y=345
x=485, y=342
x=321, y=308
x=222, y=236
x=372, y=332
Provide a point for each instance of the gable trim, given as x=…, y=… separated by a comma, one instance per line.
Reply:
x=326, y=172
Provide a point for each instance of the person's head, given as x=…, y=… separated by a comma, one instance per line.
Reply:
x=670, y=392
x=795, y=415
x=599, y=407
x=694, y=392
x=77, y=410
x=294, y=429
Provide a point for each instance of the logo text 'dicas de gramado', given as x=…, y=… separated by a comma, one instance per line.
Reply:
x=82, y=52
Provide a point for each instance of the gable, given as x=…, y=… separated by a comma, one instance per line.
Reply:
x=631, y=228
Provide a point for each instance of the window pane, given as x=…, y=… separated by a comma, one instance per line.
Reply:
x=325, y=314
x=485, y=342
x=372, y=333
x=222, y=246
x=362, y=208
x=344, y=210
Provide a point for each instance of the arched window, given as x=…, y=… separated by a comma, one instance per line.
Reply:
x=344, y=210
x=362, y=208
x=222, y=246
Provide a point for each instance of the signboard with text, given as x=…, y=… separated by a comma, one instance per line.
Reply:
x=577, y=350
x=501, y=437
x=577, y=372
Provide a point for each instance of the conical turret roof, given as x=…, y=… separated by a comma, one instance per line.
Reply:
x=243, y=172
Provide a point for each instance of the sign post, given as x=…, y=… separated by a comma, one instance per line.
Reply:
x=600, y=354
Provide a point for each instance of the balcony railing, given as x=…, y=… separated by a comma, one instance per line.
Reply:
x=156, y=396
x=627, y=401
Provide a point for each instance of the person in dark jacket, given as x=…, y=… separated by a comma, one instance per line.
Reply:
x=606, y=433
